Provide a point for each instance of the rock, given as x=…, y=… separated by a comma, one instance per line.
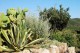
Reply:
x=26, y=51
x=43, y=50
x=71, y=50
x=33, y=50
x=63, y=48
x=54, y=49
x=17, y=52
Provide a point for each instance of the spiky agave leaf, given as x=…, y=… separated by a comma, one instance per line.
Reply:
x=1, y=40
x=5, y=48
x=34, y=41
x=4, y=33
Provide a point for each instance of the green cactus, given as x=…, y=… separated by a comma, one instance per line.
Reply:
x=16, y=16
x=11, y=11
x=4, y=20
x=21, y=14
x=12, y=18
x=25, y=10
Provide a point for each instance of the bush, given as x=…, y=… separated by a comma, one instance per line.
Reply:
x=67, y=36
x=39, y=28
x=78, y=36
x=58, y=18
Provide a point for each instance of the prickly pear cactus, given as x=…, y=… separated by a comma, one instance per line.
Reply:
x=25, y=10
x=12, y=18
x=21, y=14
x=16, y=16
x=11, y=11
x=4, y=20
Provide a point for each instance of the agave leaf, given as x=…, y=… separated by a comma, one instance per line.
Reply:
x=12, y=36
x=29, y=36
x=15, y=33
x=4, y=48
x=33, y=42
x=1, y=40
x=18, y=36
x=5, y=35
x=24, y=37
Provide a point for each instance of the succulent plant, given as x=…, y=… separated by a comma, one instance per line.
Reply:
x=18, y=36
x=4, y=20
x=21, y=14
x=11, y=11
x=16, y=16
x=25, y=10
x=12, y=18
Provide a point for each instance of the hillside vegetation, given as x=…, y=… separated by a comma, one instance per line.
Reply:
x=18, y=31
x=74, y=24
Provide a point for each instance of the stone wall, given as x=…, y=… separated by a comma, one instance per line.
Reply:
x=61, y=48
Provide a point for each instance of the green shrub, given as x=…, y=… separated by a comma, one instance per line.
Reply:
x=67, y=36
x=58, y=18
x=48, y=42
x=39, y=28
x=78, y=37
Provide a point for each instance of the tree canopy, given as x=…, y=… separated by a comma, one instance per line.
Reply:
x=58, y=18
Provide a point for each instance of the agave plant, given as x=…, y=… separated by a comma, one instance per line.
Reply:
x=17, y=37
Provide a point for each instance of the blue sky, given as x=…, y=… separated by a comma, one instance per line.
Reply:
x=33, y=5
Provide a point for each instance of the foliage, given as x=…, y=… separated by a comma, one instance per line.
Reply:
x=46, y=43
x=57, y=18
x=67, y=36
x=18, y=39
x=39, y=28
x=78, y=37
x=74, y=24
x=18, y=32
